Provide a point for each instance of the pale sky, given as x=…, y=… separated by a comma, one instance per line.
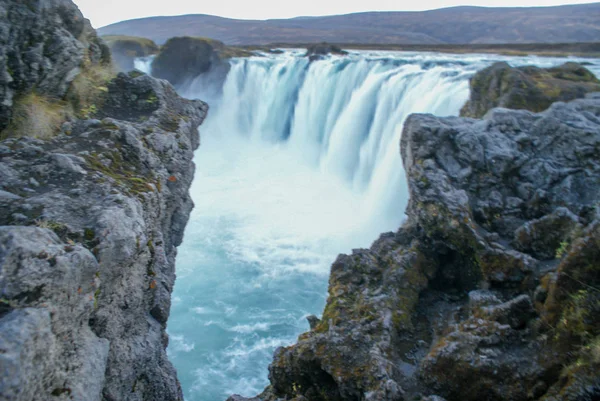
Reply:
x=104, y=12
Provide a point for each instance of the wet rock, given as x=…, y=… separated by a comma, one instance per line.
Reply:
x=320, y=50
x=313, y=321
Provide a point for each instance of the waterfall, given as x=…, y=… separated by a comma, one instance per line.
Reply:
x=144, y=64
x=343, y=115
x=299, y=162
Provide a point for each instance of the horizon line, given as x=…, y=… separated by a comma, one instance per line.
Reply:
x=346, y=14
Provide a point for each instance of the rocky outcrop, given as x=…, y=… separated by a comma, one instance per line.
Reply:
x=89, y=226
x=90, y=219
x=125, y=49
x=185, y=58
x=320, y=50
x=489, y=291
x=44, y=44
x=528, y=88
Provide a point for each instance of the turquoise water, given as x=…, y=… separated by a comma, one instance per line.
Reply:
x=253, y=264
x=298, y=163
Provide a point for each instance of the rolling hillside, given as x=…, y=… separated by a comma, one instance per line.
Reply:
x=457, y=25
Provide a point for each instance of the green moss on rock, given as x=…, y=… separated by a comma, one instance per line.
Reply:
x=528, y=88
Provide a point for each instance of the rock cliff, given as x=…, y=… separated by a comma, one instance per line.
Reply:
x=90, y=218
x=44, y=44
x=528, y=88
x=489, y=291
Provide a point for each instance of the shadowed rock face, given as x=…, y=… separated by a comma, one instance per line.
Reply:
x=490, y=288
x=43, y=45
x=125, y=49
x=182, y=59
x=89, y=221
x=528, y=88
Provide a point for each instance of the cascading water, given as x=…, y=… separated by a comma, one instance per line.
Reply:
x=299, y=162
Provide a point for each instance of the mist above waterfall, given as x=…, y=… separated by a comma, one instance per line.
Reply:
x=299, y=162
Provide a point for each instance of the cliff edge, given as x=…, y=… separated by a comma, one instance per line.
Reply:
x=91, y=213
x=489, y=291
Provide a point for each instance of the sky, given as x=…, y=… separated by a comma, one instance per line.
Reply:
x=105, y=12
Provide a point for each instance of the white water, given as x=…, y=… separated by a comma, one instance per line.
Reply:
x=298, y=163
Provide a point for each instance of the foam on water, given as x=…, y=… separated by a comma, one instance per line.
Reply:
x=299, y=162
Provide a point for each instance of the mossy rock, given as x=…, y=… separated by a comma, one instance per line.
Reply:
x=527, y=88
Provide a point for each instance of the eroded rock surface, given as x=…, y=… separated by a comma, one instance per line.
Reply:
x=43, y=45
x=528, y=87
x=489, y=291
x=90, y=222
x=90, y=219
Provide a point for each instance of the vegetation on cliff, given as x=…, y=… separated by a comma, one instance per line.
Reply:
x=55, y=68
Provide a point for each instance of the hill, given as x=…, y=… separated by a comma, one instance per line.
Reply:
x=457, y=25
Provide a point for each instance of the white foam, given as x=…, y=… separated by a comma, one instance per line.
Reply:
x=178, y=343
x=250, y=328
x=298, y=163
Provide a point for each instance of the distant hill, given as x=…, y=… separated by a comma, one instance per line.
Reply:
x=457, y=25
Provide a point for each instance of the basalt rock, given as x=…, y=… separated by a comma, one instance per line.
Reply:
x=528, y=88
x=489, y=291
x=43, y=46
